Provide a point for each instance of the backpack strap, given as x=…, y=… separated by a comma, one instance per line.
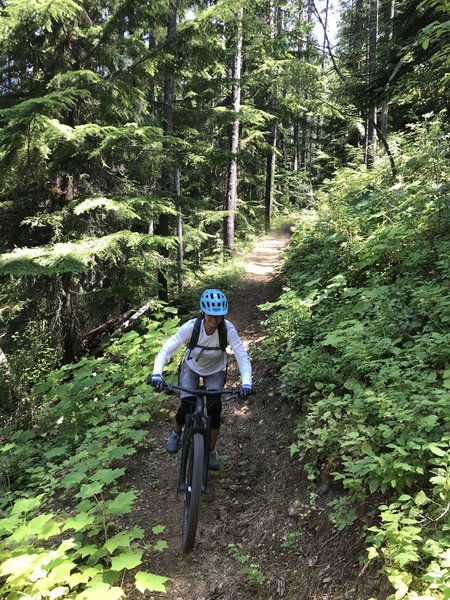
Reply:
x=195, y=333
x=223, y=338
x=222, y=330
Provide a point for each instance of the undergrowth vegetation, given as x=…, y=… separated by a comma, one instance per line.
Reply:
x=362, y=338
x=63, y=496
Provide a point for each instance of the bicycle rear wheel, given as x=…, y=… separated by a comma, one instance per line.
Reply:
x=185, y=446
x=193, y=490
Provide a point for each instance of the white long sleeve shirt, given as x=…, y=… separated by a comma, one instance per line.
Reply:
x=201, y=361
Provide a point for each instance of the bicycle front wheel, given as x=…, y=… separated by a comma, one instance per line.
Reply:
x=193, y=490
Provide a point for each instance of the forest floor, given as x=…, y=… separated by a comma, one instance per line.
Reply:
x=256, y=506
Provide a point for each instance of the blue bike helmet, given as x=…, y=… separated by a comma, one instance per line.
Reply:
x=214, y=302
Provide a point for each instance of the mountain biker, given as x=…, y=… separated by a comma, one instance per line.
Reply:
x=208, y=360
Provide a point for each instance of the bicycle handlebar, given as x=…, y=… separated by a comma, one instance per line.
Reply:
x=170, y=387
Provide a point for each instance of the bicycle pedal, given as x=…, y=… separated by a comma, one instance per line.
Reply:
x=182, y=488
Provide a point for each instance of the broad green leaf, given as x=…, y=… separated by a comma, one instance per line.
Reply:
x=58, y=592
x=404, y=558
x=373, y=485
x=429, y=422
x=86, y=575
x=8, y=525
x=361, y=307
x=123, y=539
x=137, y=435
x=437, y=450
x=120, y=452
x=18, y=564
x=421, y=499
x=73, y=479
x=61, y=573
x=160, y=546
x=126, y=560
x=77, y=578
x=401, y=590
x=100, y=590
x=43, y=526
x=332, y=340
x=121, y=504
x=404, y=498
x=108, y=475
x=26, y=505
x=150, y=582
x=89, y=489
x=158, y=529
x=57, y=451
x=79, y=521
x=170, y=309
x=88, y=550
x=7, y=447
x=19, y=534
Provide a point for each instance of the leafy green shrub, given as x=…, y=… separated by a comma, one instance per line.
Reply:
x=60, y=533
x=361, y=336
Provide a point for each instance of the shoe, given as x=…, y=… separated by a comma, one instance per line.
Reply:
x=213, y=461
x=173, y=442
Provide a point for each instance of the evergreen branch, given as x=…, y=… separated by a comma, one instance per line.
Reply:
x=77, y=257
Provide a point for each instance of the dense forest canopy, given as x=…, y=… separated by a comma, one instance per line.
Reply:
x=141, y=143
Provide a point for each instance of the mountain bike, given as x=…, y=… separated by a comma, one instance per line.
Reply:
x=193, y=474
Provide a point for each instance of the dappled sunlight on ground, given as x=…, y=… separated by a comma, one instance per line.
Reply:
x=255, y=505
x=266, y=259
x=242, y=411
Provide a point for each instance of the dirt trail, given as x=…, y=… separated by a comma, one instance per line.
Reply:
x=258, y=501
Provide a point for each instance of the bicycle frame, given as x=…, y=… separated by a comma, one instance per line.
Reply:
x=196, y=422
x=193, y=473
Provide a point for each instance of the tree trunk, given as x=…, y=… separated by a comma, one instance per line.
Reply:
x=325, y=33
x=276, y=30
x=371, y=74
x=167, y=174
x=232, y=182
x=270, y=176
x=67, y=320
x=295, y=142
x=180, y=257
x=385, y=106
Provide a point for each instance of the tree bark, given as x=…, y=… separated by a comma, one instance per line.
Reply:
x=371, y=74
x=180, y=256
x=68, y=320
x=167, y=174
x=384, y=113
x=275, y=18
x=232, y=181
x=270, y=176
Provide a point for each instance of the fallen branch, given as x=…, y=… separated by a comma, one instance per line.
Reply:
x=129, y=323
x=112, y=328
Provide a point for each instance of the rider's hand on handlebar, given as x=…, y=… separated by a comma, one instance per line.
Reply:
x=157, y=382
x=245, y=390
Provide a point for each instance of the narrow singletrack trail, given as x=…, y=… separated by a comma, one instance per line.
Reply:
x=256, y=506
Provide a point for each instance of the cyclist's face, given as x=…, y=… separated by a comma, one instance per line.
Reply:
x=212, y=322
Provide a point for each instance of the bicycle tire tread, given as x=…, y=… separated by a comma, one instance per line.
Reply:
x=193, y=492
